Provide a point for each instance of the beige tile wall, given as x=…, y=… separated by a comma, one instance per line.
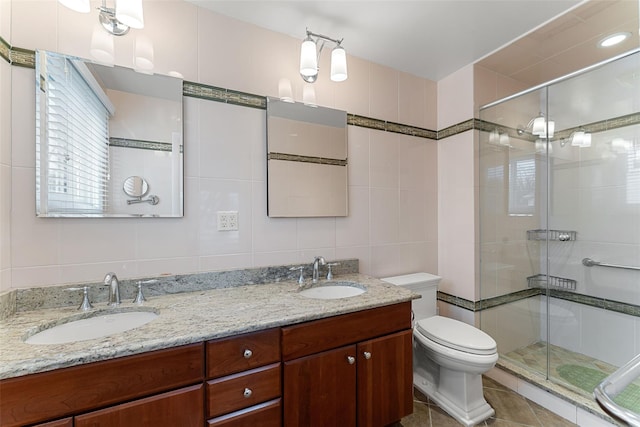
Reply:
x=392, y=226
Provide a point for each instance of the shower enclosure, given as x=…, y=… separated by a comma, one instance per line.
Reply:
x=559, y=186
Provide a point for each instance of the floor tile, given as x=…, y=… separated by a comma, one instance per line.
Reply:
x=510, y=406
x=512, y=410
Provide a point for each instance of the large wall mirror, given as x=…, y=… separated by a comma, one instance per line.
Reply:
x=306, y=160
x=99, y=128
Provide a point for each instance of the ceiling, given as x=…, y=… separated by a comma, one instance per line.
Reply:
x=568, y=43
x=427, y=38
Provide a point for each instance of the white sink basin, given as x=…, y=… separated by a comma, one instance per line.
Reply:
x=335, y=290
x=98, y=326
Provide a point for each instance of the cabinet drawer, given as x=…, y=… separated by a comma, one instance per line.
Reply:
x=228, y=394
x=67, y=422
x=235, y=354
x=176, y=408
x=266, y=414
x=324, y=334
x=63, y=392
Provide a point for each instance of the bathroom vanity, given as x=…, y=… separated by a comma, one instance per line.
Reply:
x=291, y=361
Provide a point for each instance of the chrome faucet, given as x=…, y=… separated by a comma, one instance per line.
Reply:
x=317, y=261
x=114, y=288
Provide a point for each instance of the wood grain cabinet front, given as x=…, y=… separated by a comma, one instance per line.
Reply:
x=242, y=352
x=66, y=422
x=244, y=374
x=368, y=383
x=268, y=414
x=181, y=407
x=66, y=392
x=237, y=391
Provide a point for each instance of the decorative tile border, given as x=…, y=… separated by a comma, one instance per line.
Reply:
x=458, y=302
x=212, y=93
x=23, y=57
x=16, y=55
x=601, y=126
x=143, y=145
x=596, y=302
x=26, y=58
x=457, y=128
x=306, y=159
x=5, y=50
x=508, y=298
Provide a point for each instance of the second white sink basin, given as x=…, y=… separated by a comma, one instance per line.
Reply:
x=336, y=290
x=97, y=326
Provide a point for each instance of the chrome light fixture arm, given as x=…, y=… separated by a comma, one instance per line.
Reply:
x=310, y=57
x=109, y=21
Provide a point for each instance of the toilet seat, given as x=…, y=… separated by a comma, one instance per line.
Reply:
x=457, y=335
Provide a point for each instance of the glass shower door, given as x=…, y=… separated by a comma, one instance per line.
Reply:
x=513, y=205
x=594, y=191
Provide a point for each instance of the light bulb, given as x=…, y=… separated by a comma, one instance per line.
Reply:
x=338, y=64
x=308, y=58
x=129, y=12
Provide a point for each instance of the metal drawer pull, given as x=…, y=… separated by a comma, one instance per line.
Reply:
x=351, y=360
x=247, y=392
x=367, y=355
x=248, y=353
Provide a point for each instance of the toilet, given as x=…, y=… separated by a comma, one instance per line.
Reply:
x=449, y=356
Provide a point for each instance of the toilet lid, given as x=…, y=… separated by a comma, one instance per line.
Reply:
x=455, y=334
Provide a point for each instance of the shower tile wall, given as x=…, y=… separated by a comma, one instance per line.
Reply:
x=392, y=226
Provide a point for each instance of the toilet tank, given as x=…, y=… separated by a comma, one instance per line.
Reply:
x=424, y=284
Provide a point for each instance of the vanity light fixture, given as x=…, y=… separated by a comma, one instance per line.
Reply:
x=117, y=21
x=581, y=138
x=310, y=56
x=540, y=127
x=614, y=39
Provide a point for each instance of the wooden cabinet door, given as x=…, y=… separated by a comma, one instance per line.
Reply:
x=385, y=380
x=320, y=390
x=176, y=408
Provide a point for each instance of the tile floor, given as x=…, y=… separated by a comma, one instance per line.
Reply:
x=512, y=410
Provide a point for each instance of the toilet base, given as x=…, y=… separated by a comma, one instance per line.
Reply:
x=460, y=395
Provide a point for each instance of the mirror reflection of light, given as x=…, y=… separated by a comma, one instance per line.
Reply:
x=285, y=93
x=143, y=60
x=309, y=95
x=102, y=46
x=621, y=145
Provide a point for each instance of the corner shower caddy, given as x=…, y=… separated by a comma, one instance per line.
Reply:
x=542, y=280
x=557, y=235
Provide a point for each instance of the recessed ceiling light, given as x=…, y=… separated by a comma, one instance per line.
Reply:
x=614, y=39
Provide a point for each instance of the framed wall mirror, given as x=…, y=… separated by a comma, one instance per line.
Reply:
x=98, y=125
x=306, y=160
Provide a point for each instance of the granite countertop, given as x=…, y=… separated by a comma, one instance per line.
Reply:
x=184, y=318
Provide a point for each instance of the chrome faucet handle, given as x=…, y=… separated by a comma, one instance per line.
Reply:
x=301, y=277
x=330, y=273
x=86, y=304
x=140, y=299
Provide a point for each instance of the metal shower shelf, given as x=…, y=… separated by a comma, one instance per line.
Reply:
x=540, y=281
x=559, y=235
